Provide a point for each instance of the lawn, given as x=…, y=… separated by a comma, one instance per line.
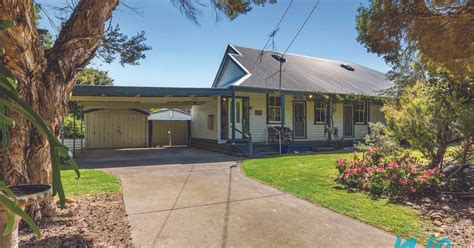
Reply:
x=91, y=181
x=312, y=177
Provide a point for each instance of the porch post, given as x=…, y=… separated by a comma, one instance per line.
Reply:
x=330, y=121
x=282, y=102
x=232, y=117
x=368, y=117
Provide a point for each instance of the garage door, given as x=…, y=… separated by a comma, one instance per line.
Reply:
x=115, y=129
x=178, y=133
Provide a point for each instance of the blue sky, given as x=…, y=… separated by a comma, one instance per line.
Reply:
x=185, y=55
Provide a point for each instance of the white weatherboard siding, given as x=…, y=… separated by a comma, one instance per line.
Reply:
x=314, y=132
x=115, y=129
x=200, y=114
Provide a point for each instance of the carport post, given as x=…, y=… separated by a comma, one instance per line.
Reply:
x=74, y=130
x=232, y=117
x=82, y=123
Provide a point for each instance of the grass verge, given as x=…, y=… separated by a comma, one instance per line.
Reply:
x=91, y=181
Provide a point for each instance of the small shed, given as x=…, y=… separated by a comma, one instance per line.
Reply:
x=169, y=127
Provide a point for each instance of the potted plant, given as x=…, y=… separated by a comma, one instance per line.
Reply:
x=13, y=199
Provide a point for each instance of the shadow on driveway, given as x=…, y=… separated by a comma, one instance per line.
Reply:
x=116, y=158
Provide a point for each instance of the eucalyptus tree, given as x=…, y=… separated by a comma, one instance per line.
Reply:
x=46, y=76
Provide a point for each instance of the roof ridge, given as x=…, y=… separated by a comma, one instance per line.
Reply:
x=310, y=57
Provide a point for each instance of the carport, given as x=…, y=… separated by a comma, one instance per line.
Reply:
x=117, y=116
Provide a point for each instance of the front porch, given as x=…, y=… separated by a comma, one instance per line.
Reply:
x=310, y=121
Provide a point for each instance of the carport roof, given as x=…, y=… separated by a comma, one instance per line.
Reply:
x=90, y=90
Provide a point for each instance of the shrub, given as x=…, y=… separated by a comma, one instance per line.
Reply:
x=401, y=176
x=386, y=146
x=69, y=127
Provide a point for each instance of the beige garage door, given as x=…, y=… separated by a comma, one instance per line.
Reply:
x=178, y=133
x=115, y=129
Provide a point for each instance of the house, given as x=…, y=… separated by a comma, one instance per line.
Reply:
x=314, y=93
x=315, y=101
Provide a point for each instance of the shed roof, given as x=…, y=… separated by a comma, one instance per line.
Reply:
x=307, y=74
x=170, y=115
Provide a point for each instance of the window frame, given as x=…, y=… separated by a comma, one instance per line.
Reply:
x=323, y=110
x=270, y=105
x=359, y=113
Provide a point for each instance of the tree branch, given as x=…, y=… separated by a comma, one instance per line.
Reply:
x=78, y=40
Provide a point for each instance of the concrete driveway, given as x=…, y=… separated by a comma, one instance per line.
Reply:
x=184, y=197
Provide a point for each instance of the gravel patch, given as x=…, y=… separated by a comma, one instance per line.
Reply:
x=89, y=221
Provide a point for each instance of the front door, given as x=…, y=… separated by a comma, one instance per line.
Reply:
x=348, y=121
x=299, y=119
x=239, y=117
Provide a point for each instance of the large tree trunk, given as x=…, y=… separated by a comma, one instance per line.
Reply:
x=45, y=78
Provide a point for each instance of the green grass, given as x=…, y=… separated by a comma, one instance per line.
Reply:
x=312, y=177
x=91, y=181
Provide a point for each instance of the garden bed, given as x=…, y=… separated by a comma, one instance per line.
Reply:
x=452, y=217
x=89, y=221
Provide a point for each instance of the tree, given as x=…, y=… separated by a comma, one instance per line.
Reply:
x=432, y=114
x=439, y=32
x=46, y=76
x=91, y=76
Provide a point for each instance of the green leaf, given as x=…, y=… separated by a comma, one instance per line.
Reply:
x=11, y=206
x=74, y=166
x=6, y=24
x=62, y=151
x=7, y=190
x=10, y=223
x=6, y=121
x=7, y=79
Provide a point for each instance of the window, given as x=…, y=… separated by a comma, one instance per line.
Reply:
x=320, y=112
x=210, y=122
x=359, y=113
x=274, y=109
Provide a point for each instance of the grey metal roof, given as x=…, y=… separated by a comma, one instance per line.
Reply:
x=88, y=90
x=308, y=74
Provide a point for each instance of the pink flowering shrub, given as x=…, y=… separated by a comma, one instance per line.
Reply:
x=395, y=177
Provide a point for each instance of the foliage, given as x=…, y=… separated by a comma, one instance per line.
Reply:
x=231, y=9
x=92, y=181
x=399, y=29
x=385, y=144
x=46, y=36
x=312, y=177
x=398, y=177
x=10, y=100
x=69, y=127
x=432, y=114
x=130, y=50
x=91, y=76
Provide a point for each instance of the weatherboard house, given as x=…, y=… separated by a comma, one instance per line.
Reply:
x=258, y=100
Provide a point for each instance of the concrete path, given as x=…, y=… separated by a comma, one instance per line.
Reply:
x=195, y=198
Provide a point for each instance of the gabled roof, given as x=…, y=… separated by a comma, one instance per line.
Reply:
x=305, y=74
x=170, y=115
